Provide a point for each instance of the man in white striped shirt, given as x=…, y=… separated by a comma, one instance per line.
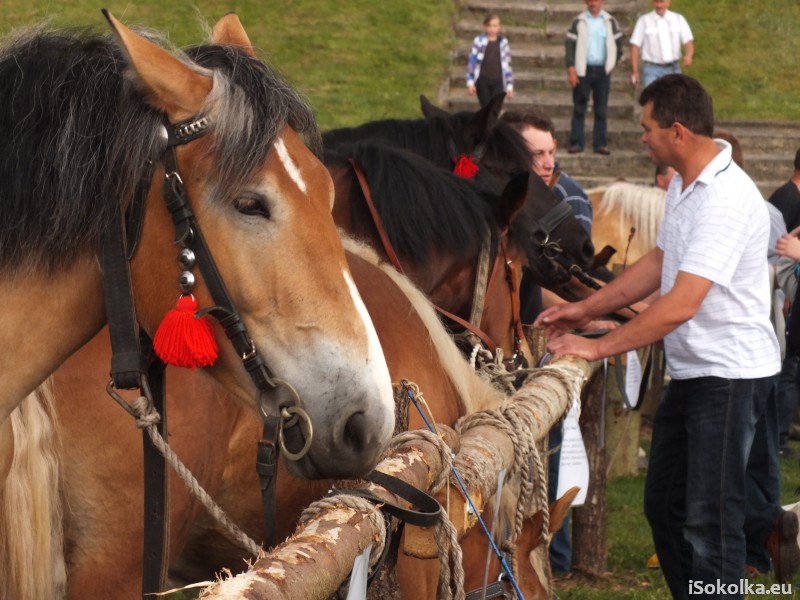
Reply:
x=710, y=265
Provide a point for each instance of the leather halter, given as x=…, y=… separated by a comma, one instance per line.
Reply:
x=134, y=368
x=390, y=253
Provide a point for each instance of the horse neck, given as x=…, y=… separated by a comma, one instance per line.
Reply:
x=45, y=318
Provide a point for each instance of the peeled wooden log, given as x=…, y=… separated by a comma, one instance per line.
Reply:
x=487, y=448
x=313, y=562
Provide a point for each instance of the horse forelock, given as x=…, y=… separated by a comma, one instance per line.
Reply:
x=424, y=208
x=248, y=108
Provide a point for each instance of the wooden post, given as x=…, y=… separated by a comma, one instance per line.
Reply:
x=589, y=547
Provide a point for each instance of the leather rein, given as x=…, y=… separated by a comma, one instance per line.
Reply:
x=134, y=365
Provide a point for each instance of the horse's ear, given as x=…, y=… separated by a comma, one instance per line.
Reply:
x=512, y=199
x=429, y=110
x=168, y=84
x=482, y=123
x=229, y=32
x=559, y=508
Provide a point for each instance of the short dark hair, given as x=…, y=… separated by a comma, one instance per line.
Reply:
x=518, y=119
x=489, y=16
x=797, y=160
x=678, y=98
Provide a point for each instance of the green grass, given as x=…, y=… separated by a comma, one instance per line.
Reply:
x=630, y=544
x=355, y=60
x=745, y=55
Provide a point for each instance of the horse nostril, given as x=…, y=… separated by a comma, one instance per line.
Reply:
x=355, y=429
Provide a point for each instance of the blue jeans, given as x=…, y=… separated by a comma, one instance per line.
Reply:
x=652, y=71
x=597, y=84
x=561, y=542
x=763, y=485
x=787, y=398
x=696, y=483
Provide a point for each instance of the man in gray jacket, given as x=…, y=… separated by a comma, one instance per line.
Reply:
x=594, y=47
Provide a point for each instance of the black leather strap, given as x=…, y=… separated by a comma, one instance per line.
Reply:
x=429, y=513
x=496, y=589
x=156, y=491
x=267, y=469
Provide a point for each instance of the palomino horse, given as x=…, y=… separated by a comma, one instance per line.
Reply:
x=451, y=235
x=496, y=153
x=101, y=472
x=627, y=218
x=84, y=117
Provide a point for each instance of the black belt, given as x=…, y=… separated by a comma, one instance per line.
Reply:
x=669, y=64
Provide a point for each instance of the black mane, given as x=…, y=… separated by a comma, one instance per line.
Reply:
x=441, y=139
x=423, y=208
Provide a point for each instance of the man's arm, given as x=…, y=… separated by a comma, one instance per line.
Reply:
x=688, y=53
x=666, y=314
x=635, y=64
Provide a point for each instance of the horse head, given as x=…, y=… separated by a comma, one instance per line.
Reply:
x=277, y=279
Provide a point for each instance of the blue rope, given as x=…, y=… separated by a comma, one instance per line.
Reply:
x=494, y=547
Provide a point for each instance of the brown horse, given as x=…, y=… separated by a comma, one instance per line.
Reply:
x=86, y=114
x=461, y=245
x=217, y=440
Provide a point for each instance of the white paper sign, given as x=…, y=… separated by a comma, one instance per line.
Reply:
x=633, y=377
x=573, y=465
x=359, y=576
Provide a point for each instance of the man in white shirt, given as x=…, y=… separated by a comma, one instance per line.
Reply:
x=710, y=265
x=656, y=39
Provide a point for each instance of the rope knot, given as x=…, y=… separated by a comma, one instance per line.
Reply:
x=146, y=415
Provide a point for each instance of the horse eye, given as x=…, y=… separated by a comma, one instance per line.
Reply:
x=252, y=204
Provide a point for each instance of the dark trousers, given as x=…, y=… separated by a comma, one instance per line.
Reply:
x=597, y=84
x=488, y=89
x=695, y=490
x=763, y=485
x=787, y=397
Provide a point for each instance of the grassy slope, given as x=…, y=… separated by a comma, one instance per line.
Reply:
x=355, y=60
x=745, y=53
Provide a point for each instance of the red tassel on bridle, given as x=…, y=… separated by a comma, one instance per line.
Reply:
x=465, y=166
x=185, y=340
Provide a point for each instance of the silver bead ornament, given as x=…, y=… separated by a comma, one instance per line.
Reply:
x=186, y=259
x=186, y=282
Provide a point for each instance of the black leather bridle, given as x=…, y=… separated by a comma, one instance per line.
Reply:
x=133, y=365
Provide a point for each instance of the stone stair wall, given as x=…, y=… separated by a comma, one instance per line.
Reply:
x=536, y=32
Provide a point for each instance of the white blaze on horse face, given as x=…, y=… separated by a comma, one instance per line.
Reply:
x=290, y=166
x=376, y=361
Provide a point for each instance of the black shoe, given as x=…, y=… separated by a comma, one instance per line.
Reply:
x=602, y=150
x=575, y=150
x=783, y=548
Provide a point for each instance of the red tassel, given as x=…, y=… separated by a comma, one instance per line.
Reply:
x=465, y=166
x=183, y=339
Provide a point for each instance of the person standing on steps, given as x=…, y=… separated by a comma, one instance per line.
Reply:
x=489, y=67
x=593, y=48
x=657, y=38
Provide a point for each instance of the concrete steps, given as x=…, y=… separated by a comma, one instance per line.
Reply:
x=536, y=33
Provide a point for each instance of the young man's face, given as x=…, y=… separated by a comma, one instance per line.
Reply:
x=594, y=6
x=543, y=147
x=657, y=139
